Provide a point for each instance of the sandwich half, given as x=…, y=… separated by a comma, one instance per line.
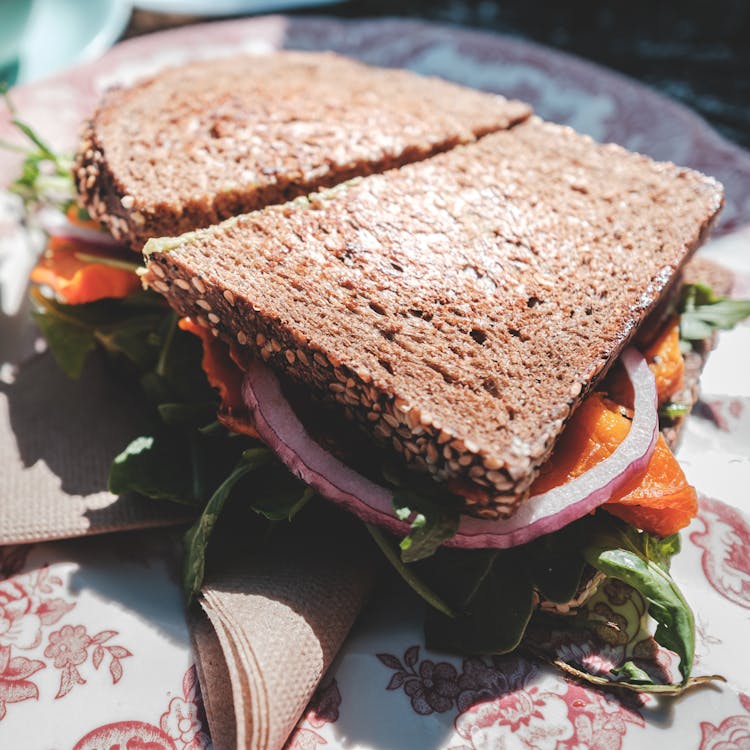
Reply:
x=458, y=309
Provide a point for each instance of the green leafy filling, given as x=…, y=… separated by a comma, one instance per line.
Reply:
x=487, y=598
x=702, y=312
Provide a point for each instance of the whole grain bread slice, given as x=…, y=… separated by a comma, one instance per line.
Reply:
x=459, y=307
x=199, y=143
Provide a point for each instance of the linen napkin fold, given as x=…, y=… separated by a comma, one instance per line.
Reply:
x=273, y=623
x=57, y=440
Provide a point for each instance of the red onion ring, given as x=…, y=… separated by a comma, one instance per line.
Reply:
x=284, y=433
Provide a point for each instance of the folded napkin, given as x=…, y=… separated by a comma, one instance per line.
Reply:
x=57, y=440
x=270, y=626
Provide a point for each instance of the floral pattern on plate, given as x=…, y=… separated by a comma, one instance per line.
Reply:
x=510, y=702
x=725, y=541
x=180, y=726
x=79, y=646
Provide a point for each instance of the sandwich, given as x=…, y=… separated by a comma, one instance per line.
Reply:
x=452, y=319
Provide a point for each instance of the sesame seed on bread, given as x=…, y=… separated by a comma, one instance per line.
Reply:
x=459, y=307
x=200, y=143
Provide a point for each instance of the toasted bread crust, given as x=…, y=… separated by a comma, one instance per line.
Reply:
x=213, y=139
x=460, y=307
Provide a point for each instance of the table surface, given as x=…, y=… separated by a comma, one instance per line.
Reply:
x=694, y=51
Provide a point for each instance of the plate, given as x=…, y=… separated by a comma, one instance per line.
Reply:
x=124, y=675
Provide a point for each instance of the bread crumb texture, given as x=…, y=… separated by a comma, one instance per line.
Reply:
x=197, y=144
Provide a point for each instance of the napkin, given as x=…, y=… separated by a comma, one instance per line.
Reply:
x=57, y=440
x=270, y=626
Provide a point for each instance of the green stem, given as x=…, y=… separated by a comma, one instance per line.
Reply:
x=161, y=365
x=675, y=689
x=123, y=265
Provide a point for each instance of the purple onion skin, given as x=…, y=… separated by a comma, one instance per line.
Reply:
x=285, y=434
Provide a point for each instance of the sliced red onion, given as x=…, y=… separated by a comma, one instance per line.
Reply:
x=55, y=223
x=284, y=433
x=560, y=506
x=282, y=430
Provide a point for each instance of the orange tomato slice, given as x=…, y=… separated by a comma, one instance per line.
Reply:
x=70, y=268
x=665, y=361
x=658, y=500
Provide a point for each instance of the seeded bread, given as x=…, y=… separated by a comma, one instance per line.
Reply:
x=460, y=307
x=197, y=144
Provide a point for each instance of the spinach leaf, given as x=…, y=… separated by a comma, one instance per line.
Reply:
x=196, y=538
x=641, y=561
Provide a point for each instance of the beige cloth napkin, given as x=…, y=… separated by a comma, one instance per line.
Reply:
x=57, y=440
x=277, y=619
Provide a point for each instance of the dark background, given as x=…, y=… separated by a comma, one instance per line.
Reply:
x=697, y=52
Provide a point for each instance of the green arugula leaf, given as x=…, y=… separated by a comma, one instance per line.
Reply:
x=126, y=328
x=639, y=560
x=661, y=549
x=277, y=494
x=434, y=523
x=103, y=260
x=633, y=674
x=46, y=177
x=637, y=686
x=674, y=410
x=492, y=593
x=188, y=415
x=408, y=573
x=133, y=339
x=155, y=466
x=494, y=619
x=196, y=538
x=702, y=312
x=556, y=564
